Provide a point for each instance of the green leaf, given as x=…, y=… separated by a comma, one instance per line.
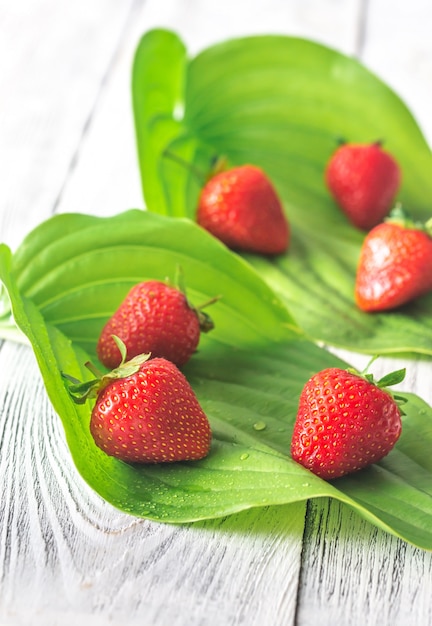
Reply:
x=392, y=378
x=72, y=272
x=282, y=103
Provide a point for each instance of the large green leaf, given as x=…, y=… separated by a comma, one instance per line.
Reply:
x=282, y=102
x=72, y=272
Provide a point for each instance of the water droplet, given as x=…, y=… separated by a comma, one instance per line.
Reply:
x=306, y=485
x=244, y=456
x=260, y=425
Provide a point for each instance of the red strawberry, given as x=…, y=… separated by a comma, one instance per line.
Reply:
x=240, y=207
x=345, y=422
x=395, y=264
x=146, y=412
x=364, y=180
x=154, y=318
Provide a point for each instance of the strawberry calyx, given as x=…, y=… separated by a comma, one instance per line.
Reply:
x=206, y=323
x=342, y=141
x=219, y=165
x=399, y=215
x=80, y=392
x=389, y=380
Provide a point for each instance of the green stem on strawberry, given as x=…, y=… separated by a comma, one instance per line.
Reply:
x=341, y=141
x=93, y=369
x=82, y=391
x=399, y=215
x=205, y=322
x=389, y=380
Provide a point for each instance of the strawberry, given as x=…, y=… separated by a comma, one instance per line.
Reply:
x=345, y=422
x=145, y=412
x=395, y=264
x=363, y=180
x=240, y=207
x=157, y=318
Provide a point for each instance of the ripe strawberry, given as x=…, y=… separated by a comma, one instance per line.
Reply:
x=145, y=412
x=157, y=318
x=395, y=264
x=345, y=422
x=364, y=180
x=240, y=207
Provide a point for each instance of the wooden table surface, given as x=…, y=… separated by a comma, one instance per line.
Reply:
x=67, y=144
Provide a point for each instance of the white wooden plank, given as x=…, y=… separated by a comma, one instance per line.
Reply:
x=202, y=23
x=354, y=574
x=54, y=56
x=398, y=47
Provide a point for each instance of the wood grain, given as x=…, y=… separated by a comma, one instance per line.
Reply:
x=351, y=569
x=401, y=52
x=67, y=144
x=55, y=58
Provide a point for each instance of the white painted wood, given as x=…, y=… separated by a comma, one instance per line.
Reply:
x=398, y=47
x=54, y=57
x=65, y=554
x=201, y=23
x=354, y=574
